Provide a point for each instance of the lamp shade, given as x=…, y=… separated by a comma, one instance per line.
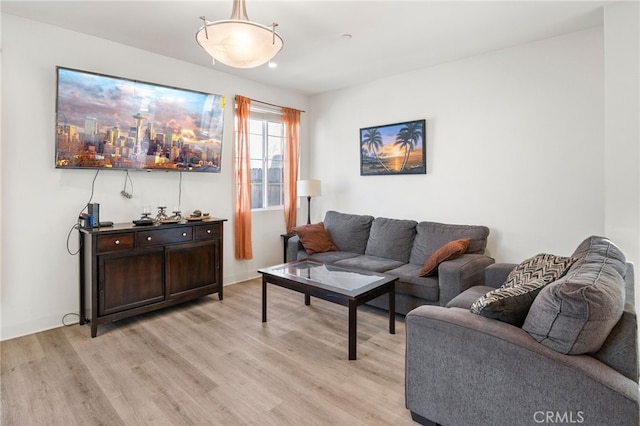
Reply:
x=239, y=43
x=308, y=188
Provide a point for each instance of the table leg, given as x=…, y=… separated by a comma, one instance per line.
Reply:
x=81, y=280
x=264, y=299
x=353, y=312
x=392, y=311
x=307, y=299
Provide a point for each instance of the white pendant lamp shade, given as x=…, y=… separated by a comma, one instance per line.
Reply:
x=238, y=42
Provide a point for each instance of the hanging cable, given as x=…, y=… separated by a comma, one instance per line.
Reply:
x=180, y=192
x=124, y=193
x=66, y=324
x=77, y=224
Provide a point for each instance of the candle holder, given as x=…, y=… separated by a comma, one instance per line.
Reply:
x=162, y=215
x=146, y=213
x=145, y=218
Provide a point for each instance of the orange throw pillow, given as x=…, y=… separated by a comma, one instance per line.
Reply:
x=315, y=238
x=449, y=251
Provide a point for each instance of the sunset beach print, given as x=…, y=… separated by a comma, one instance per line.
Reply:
x=393, y=149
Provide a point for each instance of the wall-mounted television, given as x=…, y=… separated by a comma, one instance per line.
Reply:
x=105, y=122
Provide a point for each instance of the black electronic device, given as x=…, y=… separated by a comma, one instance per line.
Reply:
x=143, y=222
x=105, y=223
x=94, y=211
x=86, y=220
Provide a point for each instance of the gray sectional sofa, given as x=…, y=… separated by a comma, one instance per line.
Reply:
x=400, y=247
x=573, y=361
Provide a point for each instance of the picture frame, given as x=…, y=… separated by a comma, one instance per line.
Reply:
x=116, y=123
x=393, y=149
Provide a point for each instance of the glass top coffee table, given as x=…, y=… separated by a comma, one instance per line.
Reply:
x=344, y=286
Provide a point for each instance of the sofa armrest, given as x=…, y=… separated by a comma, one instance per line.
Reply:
x=457, y=275
x=495, y=275
x=293, y=247
x=503, y=376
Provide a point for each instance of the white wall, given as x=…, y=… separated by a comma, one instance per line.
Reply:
x=40, y=204
x=514, y=142
x=622, y=127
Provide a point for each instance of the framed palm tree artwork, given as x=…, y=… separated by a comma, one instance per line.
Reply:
x=393, y=149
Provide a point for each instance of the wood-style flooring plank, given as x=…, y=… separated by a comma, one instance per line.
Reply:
x=212, y=362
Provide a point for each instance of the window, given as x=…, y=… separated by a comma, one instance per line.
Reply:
x=266, y=137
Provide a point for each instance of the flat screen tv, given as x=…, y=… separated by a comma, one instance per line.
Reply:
x=105, y=122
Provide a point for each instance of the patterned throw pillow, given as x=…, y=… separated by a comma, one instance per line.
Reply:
x=509, y=304
x=547, y=267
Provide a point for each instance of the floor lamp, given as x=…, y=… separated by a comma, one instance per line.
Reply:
x=308, y=188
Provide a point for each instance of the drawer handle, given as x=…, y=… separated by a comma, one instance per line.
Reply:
x=117, y=242
x=208, y=231
x=148, y=238
x=184, y=234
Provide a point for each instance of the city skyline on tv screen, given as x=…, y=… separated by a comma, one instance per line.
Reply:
x=117, y=123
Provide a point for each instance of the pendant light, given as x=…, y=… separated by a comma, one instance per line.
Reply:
x=238, y=42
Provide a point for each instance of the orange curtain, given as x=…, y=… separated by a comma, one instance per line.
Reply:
x=242, y=216
x=291, y=119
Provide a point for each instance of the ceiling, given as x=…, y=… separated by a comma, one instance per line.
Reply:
x=387, y=37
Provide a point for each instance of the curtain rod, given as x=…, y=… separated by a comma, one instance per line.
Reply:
x=273, y=105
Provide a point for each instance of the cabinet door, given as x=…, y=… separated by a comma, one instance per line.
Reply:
x=129, y=280
x=192, y=268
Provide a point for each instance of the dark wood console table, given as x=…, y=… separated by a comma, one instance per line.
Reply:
x=127, y=270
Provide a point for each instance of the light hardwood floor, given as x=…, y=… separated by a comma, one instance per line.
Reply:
x=212, y=362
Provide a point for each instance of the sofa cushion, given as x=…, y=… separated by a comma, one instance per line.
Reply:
x=315, y=238
x=467, y=298
x=369, y=263
x=349, y=232
x=544, y=266
x=391, y=238
x=619, y=350
x=594, y=247
x=509, y=304
x=410, y=283
x=327, y=257
x=430, y=236
x=575, y=314
x=451, y=250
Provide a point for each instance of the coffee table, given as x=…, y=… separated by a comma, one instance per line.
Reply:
x=344, y=286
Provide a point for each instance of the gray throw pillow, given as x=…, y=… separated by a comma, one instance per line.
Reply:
x=543, y=266
x=509, y=304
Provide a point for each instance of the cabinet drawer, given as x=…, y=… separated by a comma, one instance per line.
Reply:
x=115, y=242
x=164, y=236
x=208, y=232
